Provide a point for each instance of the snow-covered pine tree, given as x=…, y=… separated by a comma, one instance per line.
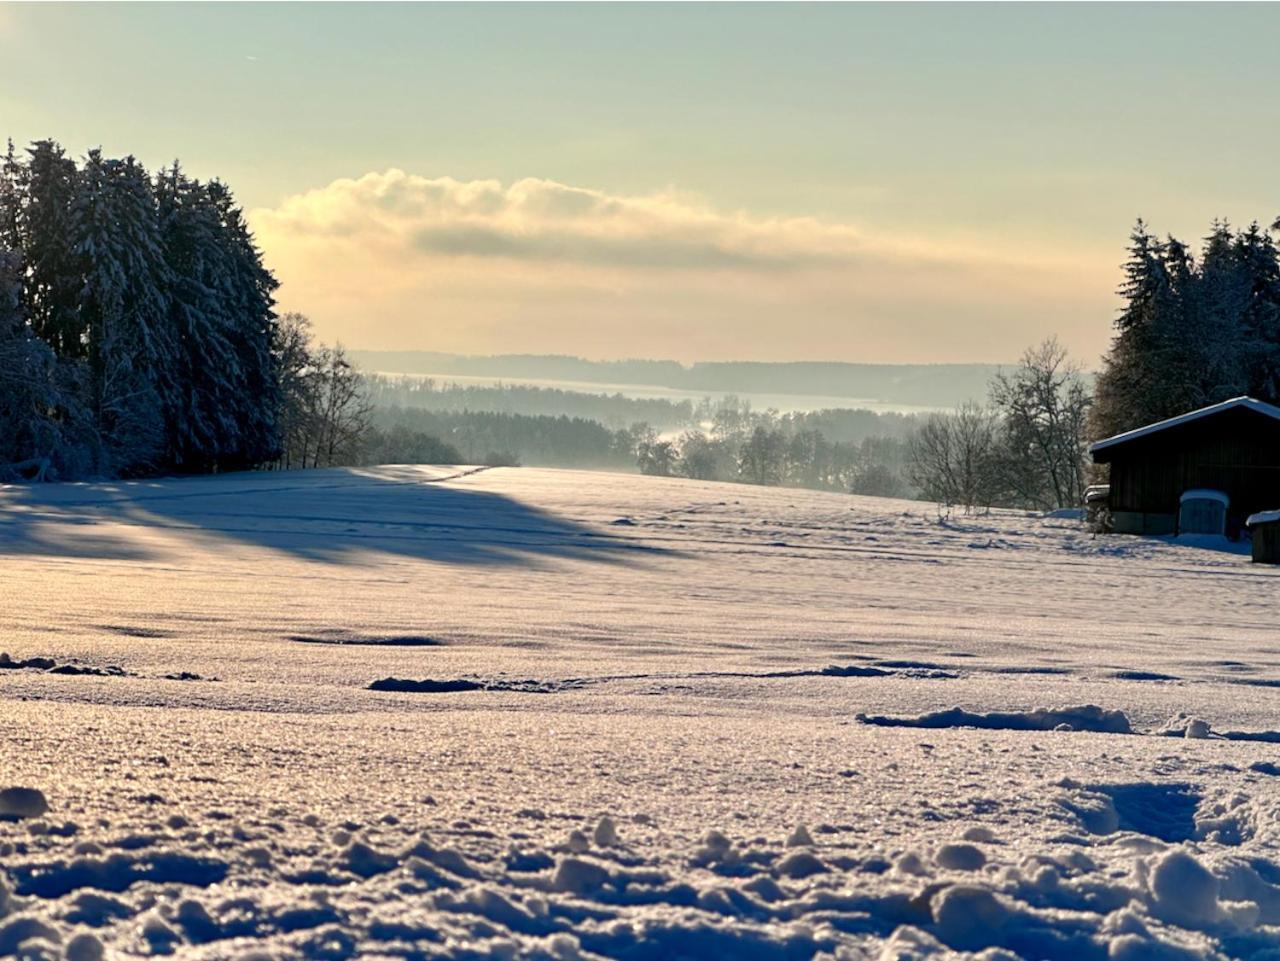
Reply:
x=29, y=436
x=247, y=291
x=47, y=184
x=1192, y=334
x=46, y=430
x=1122, y=395
x=1215, y=340
x=150, y=309
x=205, y=420
x=1259, y=261
x=11, y=174
x=124, y=303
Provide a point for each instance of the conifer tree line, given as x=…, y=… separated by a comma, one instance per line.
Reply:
x=1195, y=329
x=136, y=325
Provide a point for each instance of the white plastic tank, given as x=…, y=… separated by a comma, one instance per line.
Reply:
x=1203, y=511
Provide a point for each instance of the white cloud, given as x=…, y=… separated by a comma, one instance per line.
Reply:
x=542, y=220
x=393, y=259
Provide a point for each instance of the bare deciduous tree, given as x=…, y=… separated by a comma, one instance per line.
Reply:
x=762, y=459
x=953, y=458
x=1043, y=405
x=658, y=457
x=343, y=407
x=294, y=361
x=326, y=411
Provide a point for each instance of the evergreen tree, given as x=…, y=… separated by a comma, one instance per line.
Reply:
x=1259, y=262
x=26, y=435
x=248, y=290
x=1192, y=334
x=11, y=173
x=124, y=304
x=223, y=414
x=137, y=324
x=48, y=183
x=1121, y=400
x=1214, y=341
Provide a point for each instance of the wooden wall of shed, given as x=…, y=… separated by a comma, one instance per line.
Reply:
x=1266, y=543
x=1237, y=452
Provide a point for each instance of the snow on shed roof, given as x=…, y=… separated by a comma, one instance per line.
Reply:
x=1204, y=494
x=1248, y=403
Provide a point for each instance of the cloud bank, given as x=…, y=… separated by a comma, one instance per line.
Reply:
x=397, y=260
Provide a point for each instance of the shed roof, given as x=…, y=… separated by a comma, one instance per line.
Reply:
x=1247, y=403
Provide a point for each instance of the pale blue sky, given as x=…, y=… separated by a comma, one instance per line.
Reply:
x=1037, y=131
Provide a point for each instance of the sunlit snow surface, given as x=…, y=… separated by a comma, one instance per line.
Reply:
x=623, y=717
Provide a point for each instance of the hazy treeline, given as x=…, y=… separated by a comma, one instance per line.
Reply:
x=657, y=373
x=1194, y=330
x=613, y=410
x=136, y=323
x=618, y=410
x=772, y=449
x=731, y=415
x=498, y=438
x=722, y=438
x=738, y=444
x=924, y=385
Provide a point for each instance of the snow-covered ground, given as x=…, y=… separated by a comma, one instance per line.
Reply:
x=427, y=712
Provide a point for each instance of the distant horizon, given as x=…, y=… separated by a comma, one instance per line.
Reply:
x=932, y=386
x=685, y=364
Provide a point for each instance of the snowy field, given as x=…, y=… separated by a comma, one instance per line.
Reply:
x=427, y=712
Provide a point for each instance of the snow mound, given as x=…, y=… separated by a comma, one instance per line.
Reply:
x=22, y=802
x=1086, y=717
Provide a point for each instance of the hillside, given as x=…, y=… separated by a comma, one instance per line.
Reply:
x=917, y=385
x=444, y=712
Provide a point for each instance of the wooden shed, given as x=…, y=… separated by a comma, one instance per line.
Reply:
x=1228, y=453
x=1264, y=532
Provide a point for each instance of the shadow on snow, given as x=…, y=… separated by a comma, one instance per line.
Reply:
x=333, y=516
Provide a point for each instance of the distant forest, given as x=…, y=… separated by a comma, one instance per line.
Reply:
x=615, y=410
x=825, y=450
x=914, y=385
x=612, y=410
